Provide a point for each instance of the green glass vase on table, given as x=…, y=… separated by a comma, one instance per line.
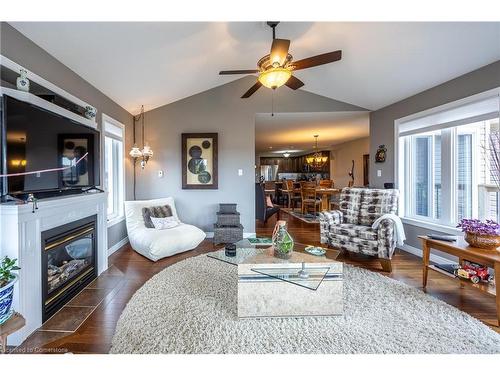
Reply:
x=282, y=241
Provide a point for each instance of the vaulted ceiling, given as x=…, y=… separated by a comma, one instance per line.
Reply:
x=158, y=63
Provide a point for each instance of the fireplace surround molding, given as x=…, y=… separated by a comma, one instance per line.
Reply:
x=20, y=237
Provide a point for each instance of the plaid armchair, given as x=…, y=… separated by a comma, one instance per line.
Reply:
x=350, y=227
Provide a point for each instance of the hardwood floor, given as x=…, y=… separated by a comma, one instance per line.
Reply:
x=102, y=302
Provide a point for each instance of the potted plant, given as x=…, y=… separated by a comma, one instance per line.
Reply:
x=7, y=281
x=481, y=234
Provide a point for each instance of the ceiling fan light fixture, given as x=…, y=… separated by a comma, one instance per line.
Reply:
x=274, y=77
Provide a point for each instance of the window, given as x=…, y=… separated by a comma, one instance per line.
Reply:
x=444, y=171
x=113, y=168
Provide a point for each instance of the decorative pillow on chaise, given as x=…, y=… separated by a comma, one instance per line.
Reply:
x=156, y=211
x=164, y=222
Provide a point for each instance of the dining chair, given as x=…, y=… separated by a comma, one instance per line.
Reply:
x=292, y=195
x=270, y=189
x=328, y=184
x=309, y=198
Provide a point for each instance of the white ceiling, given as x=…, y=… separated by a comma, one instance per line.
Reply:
x=295, y=131
x=158, y=63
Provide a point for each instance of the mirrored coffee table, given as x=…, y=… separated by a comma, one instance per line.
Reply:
x=303, y=285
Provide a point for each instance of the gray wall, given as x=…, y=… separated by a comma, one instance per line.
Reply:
x=382, y=120
x=23, y=51
x=382, y=123
x=341, y=163
x=217, y=110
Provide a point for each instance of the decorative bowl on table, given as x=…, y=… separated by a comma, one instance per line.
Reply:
x=485, y=235
x=315, y=250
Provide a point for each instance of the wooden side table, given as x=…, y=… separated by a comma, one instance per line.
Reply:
x=462, y=250
x=15, y=323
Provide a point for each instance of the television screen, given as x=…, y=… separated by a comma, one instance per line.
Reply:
x=43, y=151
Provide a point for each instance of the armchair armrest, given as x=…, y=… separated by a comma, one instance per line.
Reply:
x=326, y=220
x=386, y=239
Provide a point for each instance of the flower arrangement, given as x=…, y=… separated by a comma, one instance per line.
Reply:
x=474, y=226
x=481, y=234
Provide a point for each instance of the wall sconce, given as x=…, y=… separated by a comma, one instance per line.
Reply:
x=146, y=153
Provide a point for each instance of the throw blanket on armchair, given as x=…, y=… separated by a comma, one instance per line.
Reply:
x=398, y=226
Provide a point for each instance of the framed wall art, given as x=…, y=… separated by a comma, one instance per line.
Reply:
x=199, y=161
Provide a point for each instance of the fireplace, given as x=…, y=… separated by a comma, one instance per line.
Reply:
x=69, y=262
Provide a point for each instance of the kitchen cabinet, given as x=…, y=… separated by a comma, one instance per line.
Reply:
x=295, y=164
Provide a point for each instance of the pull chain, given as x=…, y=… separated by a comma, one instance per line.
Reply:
x=272, y=102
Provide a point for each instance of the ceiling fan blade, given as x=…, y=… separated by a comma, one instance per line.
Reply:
x=247, y=71
x=251, y=90
x=279, y=51
x=324, y=58
x=294, y=83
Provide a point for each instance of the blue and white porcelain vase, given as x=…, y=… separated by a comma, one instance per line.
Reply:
x=22, y=82
x=6, y=294
x=90, y=112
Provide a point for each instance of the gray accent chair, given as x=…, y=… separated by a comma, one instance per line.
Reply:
x=350, y=227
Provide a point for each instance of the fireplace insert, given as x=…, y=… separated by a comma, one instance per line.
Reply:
x=69, y=262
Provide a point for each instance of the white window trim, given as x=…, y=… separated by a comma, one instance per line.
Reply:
x=399, y=156
x=105, y=118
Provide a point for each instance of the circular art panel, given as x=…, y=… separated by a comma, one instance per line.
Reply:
x=197, y=165
x=204, y=177
x=195, y=152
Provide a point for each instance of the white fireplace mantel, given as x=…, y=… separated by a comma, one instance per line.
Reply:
x=20, y=237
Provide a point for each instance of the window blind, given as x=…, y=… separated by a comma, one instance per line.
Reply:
x=113, y=131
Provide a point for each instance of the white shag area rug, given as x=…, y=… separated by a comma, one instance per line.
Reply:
x=190, y=307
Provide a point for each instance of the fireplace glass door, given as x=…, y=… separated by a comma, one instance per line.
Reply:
x=69, y=264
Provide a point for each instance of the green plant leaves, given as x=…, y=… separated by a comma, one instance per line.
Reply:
x=6, y=267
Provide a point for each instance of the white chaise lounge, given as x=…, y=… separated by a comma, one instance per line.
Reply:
x=156, y=244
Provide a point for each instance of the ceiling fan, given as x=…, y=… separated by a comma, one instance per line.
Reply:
x=276, y=69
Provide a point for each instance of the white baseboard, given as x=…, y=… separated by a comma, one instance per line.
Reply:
x=433, y=257
x=117, y=245
x=245, y=234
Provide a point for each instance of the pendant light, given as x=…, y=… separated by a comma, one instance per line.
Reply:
x=146, y=153
x=316, y=160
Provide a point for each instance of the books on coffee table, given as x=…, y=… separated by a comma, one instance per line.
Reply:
x=442, y=237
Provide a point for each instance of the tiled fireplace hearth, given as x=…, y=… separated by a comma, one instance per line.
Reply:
x=60, y=247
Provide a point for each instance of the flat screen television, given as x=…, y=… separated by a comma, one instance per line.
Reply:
x=41, y=150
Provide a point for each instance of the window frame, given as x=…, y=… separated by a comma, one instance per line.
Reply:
x=449, y=181
x=119, y=173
